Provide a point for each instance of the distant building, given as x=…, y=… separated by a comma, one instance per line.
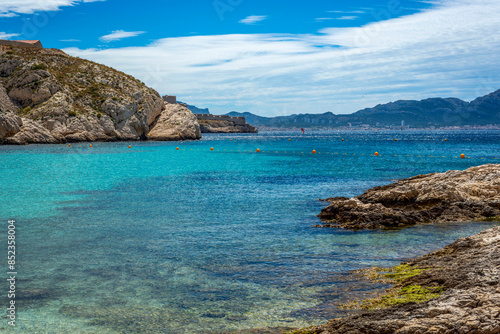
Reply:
x=27, y=44
x=170, y=99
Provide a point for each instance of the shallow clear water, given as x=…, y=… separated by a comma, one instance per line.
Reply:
x=154, y=239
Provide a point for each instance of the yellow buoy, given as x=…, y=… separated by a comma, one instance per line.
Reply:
x=376, y=154
x=258, y=150
x=211, y=148
x=314, y=151
x=462, y=156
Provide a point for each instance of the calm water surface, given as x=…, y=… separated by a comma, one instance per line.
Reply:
x=154, y=239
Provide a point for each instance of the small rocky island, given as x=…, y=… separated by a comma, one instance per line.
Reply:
x=224, y=124
x=453, y=290
x=472, y=194
x=47, y=96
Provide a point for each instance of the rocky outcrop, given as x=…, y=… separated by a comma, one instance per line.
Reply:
x=223, y=126
x=175, y=122
x=469, y=273
x=47, y=96
x=453, y=196
x=10, y=124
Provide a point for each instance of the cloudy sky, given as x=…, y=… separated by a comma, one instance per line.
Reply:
x=278, y=57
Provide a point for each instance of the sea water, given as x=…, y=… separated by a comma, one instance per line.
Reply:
x=151, y=239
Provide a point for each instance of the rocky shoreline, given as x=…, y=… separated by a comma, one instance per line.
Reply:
x=225, y=126
x=472, y=194
x=462, y=281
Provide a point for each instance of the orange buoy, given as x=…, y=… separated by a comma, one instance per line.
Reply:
x=376, y=154
x=258, y=150
x=90, y=145
x=342, y=139
x=69, y=145
x=177, y=148
x=395, y=139
x=445, y=139
x=211, y=148
x=289, y=139
x=129, y=146
x=231, y=140
x=462, y=156
x=314, y=151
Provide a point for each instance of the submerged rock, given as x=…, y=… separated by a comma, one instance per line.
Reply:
x=453, y=196
x=468, y=271
x=29, y=294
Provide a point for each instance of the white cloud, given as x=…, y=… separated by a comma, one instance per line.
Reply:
x=345, y=17
x=350, y=17
x=9, y=8
x=4, y=35
x=253, y=19
x=452, y=49
x=120, y=34
x=347, y=12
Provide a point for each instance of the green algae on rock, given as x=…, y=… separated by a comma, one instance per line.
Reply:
x=453, y=290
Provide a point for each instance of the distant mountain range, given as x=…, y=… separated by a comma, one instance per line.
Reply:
x=439, y=112
x=195, y=109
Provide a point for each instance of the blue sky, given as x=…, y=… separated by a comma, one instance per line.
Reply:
x=278, y=57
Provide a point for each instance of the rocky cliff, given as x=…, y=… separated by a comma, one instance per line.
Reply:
x=465, y=280
x=453, y=196
x=47, y=96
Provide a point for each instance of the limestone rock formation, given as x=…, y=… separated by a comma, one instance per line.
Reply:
x=47, y=96
x=433, y=198
x=469, y=272
x=175, y=122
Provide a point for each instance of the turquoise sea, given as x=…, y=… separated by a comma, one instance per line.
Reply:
x=151, y=239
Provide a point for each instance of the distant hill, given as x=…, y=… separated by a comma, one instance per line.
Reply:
x=47, y=96
x=437, y=112
x=195, y=109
